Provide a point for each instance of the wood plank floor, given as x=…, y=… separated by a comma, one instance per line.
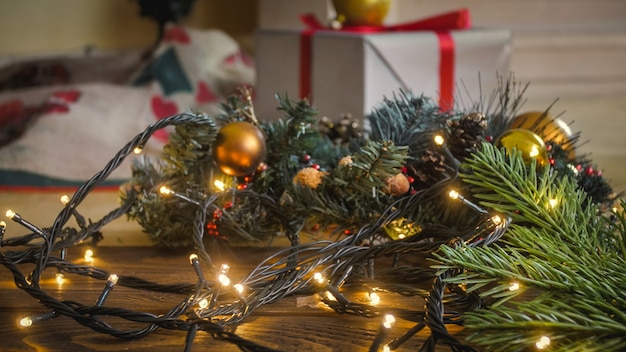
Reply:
x=284, y=325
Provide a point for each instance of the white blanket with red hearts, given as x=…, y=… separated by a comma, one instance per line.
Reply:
x=78, y=128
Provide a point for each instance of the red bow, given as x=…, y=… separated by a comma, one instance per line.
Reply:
x=440, y=24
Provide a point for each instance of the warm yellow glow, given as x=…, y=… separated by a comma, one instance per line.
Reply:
x=534, y=151
x=203, y=303
x=543, y=342
x=514, y=286
x=401, y=236
x=439, y=139
x=374, y=298
x=137, y=150
x=88, y=255
x=113, y=279
x=388, y=321
x=496, y=219
x=164, y=190
x=553, y=202
x=10, y=214
x=224, y=268
x=219, y=185
x=319, y=278
x=65, y=199
x=60, y=278
x=192, y=258
x=330, y=296
x=3, y=224
x=26, y=322
x=453, y=194
x=223, y=279
x=238, y=288
x=386, y=348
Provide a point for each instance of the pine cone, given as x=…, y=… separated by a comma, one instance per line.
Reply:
x=429, y=170
x=466, y=134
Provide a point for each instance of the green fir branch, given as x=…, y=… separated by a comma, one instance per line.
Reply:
x=351, y=194
x=567, y=260
x=407, y=120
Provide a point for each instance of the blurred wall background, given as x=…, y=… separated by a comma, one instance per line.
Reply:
x=35, y=27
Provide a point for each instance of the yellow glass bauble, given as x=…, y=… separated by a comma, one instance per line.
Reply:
x=549, y=128
x=239, y=148
x=361, y=12
x=526, y=142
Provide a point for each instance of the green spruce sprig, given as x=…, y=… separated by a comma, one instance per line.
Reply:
x=566, y=258
x=354, y=192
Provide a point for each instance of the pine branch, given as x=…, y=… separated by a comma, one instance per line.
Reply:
x=351, y=194
x=407, y=120
x=567, y=260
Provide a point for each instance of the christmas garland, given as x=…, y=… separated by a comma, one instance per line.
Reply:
x=498, y=201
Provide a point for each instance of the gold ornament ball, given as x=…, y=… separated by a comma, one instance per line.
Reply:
x=549, y=128
x=397, y=185
x=239, y=148
x=361, y=12
x=527, y=142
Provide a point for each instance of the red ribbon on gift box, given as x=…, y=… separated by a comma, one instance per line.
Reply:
x=440, y=24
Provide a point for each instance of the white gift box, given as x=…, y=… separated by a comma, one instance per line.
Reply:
x=352, y=72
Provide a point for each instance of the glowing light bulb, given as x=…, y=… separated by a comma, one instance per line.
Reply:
x=401, y=236
x=65, y=199
x=219, y=185
x=137, y=150
x=203, y=303
x=165, y=190
x=386, y=348
x=514, y=286
x=34, y=319
x=496, y=219
x=3, y=224
x=453, y=194
x=374, y=298
x=113, y=279
x=89, y=255
x=223, y=279
x=543, y=342
x=60, y=278
x=10, y=214
x=319, y=278
x=26, y=322
x=224, y=268
x=553, y=202
x=239, y=288
x=193, y=258
x=388, y=321
x=439, y=139
x=332, y=291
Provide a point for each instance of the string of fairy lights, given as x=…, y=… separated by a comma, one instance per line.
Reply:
x=215, y=301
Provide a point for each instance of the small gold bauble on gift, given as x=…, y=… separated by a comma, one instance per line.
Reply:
x=549, y=128
x=239, y=148
x=361, y=12
x=526, y=142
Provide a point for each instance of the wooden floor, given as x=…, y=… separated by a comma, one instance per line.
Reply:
x=283, y=325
